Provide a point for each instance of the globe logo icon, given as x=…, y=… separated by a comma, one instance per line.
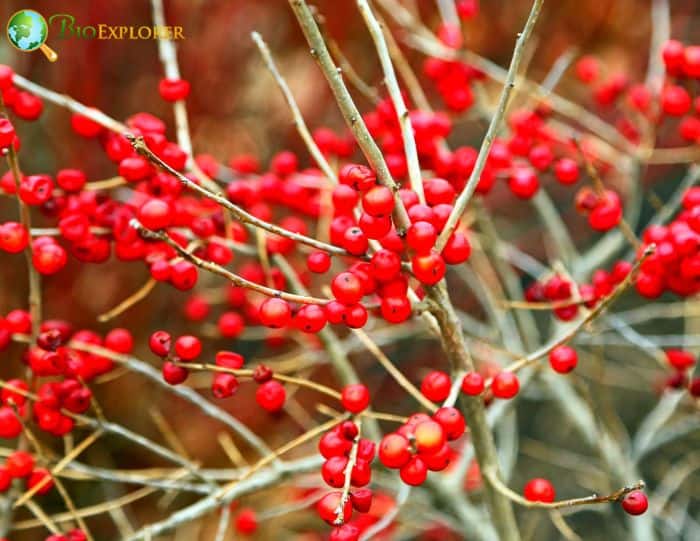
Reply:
x=27, y=31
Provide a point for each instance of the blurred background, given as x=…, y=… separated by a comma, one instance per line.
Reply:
x=235, y=107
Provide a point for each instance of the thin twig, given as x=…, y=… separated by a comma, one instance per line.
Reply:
x=494, y=126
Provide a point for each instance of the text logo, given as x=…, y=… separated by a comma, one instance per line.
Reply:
x=27, y=31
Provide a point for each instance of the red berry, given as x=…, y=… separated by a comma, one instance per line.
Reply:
x=347, y=288
x=333, y=471
x=155, y=214
x=318, y=262
x=310, y=318
x=359, y=177
x=675, y=100
x=587, y=69
x=505, y=385
x=14, y=237
x=119, y=340
x=473, y=384
x=415, y=472
x=394, y=450
x=563, y=359
x=224, y=385
x=160, y=342
x=635, y=503
x=429, y=437
x=436, y=386
x=523, y=183
x=566, y=170
x=355, y=397
x=452, y=422
x=246, y=522
x=275, y=313
x=429, y=269
x=327, y=506
x=42, y=478
x=421, y=236
x=35, y=189
x=379, y=201
x=7, y=133
x=271, y=396
x=457, y=249
x=174, y=374
x=396, y=309
x=355, y=241
x=183, y=275
x=49, y=258
x=71, y=180
x=188, y=347
x=679, y=359
x=10, y=427
x=231, y=324
x=19, y=464
x=173, y=89
x=229, y=359
x=346, y=532
x=539, y=490
x=672, y=53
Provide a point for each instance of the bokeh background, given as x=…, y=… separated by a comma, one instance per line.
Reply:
x=235, y=107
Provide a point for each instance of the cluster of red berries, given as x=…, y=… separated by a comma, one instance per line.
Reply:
x=421, y=444
x=184, y=349
x=52, y=356
x=23, y=104
x=682, y=363
x=675, y=264
x=558, y=289
x=21, y=465
x=338, y=446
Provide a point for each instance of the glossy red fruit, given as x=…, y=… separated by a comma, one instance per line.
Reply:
x=675, y=100
x=452, y=422
x=183, y=275
x=396, y=309
x=505, y=385
x=318, y=262
x=421, y=237
x=679, y=359
x=563, y=359
x=415, y=472
x=173, y=89
x=160, y=343
x=347, y=288
x=275, y=313
x=394, y=450
x=224, y=385
x=635, y=503
x=361, y=499
x=473, y=384
x=271, y=396
x=429, y=437
x=40, y=478
x=524, y=183
x=310, y=318
x=14, y=237
x=566, y=171
x=7, y=133
x=188, y=347
x=174, y=374
x=436, y=386
x=246, y=522
x=333, y=471
x=119, y=340
x=10, y=427
x=355, y=397
x=327, y=506
x=49, y=258
x=428, y=269
x=539, y=490
x=386, y=265
x=155, y=214
x=19, y=464
x=378, y=201
x=359, y=177
x=457, y=250
x=346, y=532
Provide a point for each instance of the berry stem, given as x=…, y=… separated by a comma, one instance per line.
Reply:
x=587, y=500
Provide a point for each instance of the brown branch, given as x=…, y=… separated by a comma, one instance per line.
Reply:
x=212, y=267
